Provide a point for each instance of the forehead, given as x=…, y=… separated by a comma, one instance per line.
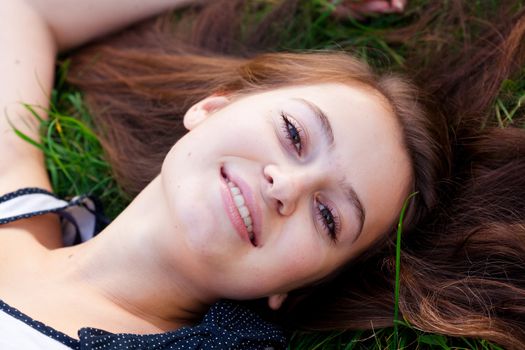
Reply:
x=368, y=152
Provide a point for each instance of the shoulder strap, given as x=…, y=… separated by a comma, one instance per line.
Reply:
x=81, y=217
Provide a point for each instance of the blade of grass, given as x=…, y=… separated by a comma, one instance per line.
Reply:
x=398, y=266
x=28, y=139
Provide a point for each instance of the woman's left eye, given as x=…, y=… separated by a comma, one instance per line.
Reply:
x=329, y=220
x=293, y=133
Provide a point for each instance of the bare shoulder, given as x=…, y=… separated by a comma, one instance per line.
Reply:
x=19, y=239
x=21, y=243
x=22, y=246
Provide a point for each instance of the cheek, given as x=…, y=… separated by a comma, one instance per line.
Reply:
x=189, y=204
x=298, y=261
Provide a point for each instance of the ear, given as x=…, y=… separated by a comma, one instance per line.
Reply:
x=203, y=109
x=275, y=301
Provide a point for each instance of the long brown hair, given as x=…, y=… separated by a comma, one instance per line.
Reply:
x=463, y=257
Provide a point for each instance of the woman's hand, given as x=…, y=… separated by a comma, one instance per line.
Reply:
x=360, y=9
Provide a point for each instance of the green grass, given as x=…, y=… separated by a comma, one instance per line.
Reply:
x=384, y=339
x=511, y=102
x=76, y=163
x=314, y=28
x=73, y=155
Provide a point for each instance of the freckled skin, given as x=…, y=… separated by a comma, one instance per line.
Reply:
x=246, y=135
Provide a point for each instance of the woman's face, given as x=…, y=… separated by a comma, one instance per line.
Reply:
x=275, y=190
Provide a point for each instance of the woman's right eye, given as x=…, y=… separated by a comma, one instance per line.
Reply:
x=293, y=133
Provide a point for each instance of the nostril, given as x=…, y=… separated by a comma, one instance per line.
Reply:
x=280, y=205
x=267, y=173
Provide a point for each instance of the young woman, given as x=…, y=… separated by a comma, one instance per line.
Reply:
x=245, y=212
x=294, y=167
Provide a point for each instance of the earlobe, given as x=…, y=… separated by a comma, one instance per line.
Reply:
x=276, y=301
x=203, y=109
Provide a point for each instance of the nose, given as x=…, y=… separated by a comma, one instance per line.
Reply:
x=282, y=188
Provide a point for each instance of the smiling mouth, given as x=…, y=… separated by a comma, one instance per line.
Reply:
x=240, y=204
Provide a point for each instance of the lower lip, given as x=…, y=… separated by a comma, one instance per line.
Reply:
x=233, y=213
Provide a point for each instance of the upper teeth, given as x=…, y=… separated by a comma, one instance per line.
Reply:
x=243, y=209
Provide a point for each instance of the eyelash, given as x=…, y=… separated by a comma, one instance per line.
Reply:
x=324, y=213
x=293, y=133
x=332, y=228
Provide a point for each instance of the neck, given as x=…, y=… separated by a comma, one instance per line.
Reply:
x=124, y=268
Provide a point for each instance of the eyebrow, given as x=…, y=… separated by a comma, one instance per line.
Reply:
x=321, y=118
x=348, y=189
x=352, y=196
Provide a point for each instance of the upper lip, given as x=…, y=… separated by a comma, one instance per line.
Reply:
x=251, y=203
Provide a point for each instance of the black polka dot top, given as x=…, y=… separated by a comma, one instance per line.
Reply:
x=226, y=325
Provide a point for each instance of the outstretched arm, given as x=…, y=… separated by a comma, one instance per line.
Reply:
x=31, y=34
x=73, y=23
